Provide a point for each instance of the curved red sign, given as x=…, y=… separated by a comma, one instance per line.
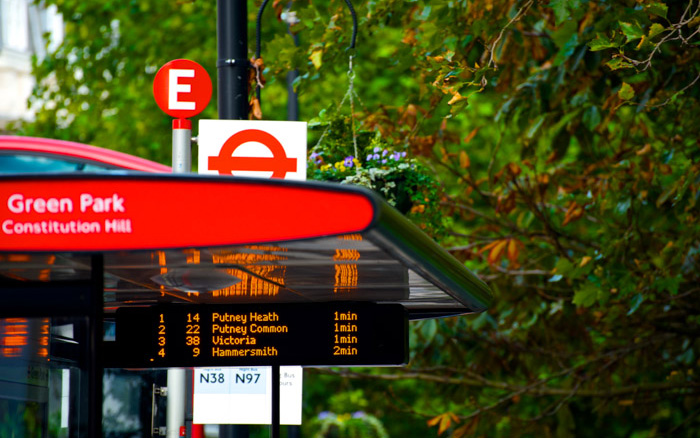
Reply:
x=107, y=213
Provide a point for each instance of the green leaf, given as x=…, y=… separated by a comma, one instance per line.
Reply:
x=567, y=50
x=587, y=295
x=626, y=92
x=670, y=284
x=618, y=63
x=632, y=31
x=561, y=11
x=535, y=126
x=565, y=423
x=656, y=8
x=635, y=302
x=564, y=9
x=428, y=330
x=591, y=117
x=663, y=197
x=562, y=37
x=316, y=57
x=564, y=267
x=601, y=42
x=656, y=29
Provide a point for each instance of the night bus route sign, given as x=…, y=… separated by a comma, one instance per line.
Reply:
x=321, y=334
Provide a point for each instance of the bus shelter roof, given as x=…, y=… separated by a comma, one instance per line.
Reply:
x=207, y=240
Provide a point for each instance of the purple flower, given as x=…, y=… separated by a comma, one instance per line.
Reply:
x=375, y=156
x=316, y=158
x=396, y=156
x=403, y=154
x=324, y=414
x=376, y=149
x=384, y=152
x=359, y=414
x=348, y=161
x=369, y=157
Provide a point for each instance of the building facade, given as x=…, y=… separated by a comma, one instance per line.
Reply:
x=26, y=30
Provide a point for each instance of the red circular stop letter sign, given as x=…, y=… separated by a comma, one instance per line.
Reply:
x=182, y=88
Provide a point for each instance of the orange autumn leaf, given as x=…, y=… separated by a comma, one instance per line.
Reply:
x=456, y=97
x=464, y=160
x=410, y=37
x=496, y=251
x=513, y=251
x=505, y=204
x=471, y=135
x=488, y=247
x=514, y=169
x=443, y=421
x=467, y=430
x=510, y=248
x=255, y=108
x=574, y=212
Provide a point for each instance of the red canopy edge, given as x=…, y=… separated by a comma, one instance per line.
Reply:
x=98, y=213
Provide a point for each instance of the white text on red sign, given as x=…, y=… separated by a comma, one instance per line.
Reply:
x=176, y=88
x=19, y=204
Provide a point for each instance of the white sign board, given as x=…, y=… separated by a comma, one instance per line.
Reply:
x=263, y=149
x=243, y=395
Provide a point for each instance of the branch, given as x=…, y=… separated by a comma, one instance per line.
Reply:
x=549, y=227
x=514, y=273
x=492, y=48
x=675, y=28
x=667, y=101
x=539, y=387
x=532, y=389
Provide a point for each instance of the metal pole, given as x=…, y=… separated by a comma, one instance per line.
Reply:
x=177, y=395
x=182, y=146
x=232, y=65
x=177, y=386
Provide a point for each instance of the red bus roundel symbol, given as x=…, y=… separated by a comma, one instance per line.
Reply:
x=182, y=88
x=279, y=164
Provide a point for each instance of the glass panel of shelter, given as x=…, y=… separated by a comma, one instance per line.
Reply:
x=43, y=359
x=43, y=383
x=42, y=377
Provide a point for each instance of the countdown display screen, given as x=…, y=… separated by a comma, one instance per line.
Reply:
x=322, y=334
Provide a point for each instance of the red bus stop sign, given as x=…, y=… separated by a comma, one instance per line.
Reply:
x=225, y=163
x=182, y=88
x=253, y=148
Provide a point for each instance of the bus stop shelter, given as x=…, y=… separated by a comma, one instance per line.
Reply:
x=84, y=260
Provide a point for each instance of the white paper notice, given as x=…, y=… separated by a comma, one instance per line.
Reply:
x=243, y=395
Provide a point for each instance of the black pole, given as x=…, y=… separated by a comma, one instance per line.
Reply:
x=292, y=98
x=234, y=431
x=232, y=68
x=275, y=429
x=232, y=65
x=95, y=335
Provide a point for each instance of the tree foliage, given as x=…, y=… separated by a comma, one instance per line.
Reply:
x=563, y=136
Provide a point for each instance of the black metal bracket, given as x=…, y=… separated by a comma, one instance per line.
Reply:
x=231, y=62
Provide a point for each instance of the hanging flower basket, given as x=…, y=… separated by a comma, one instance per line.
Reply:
x=388, y=170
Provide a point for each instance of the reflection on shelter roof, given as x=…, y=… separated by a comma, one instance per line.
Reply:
x=389, y=260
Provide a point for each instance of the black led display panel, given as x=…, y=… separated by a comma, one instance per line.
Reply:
x=320, y=334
